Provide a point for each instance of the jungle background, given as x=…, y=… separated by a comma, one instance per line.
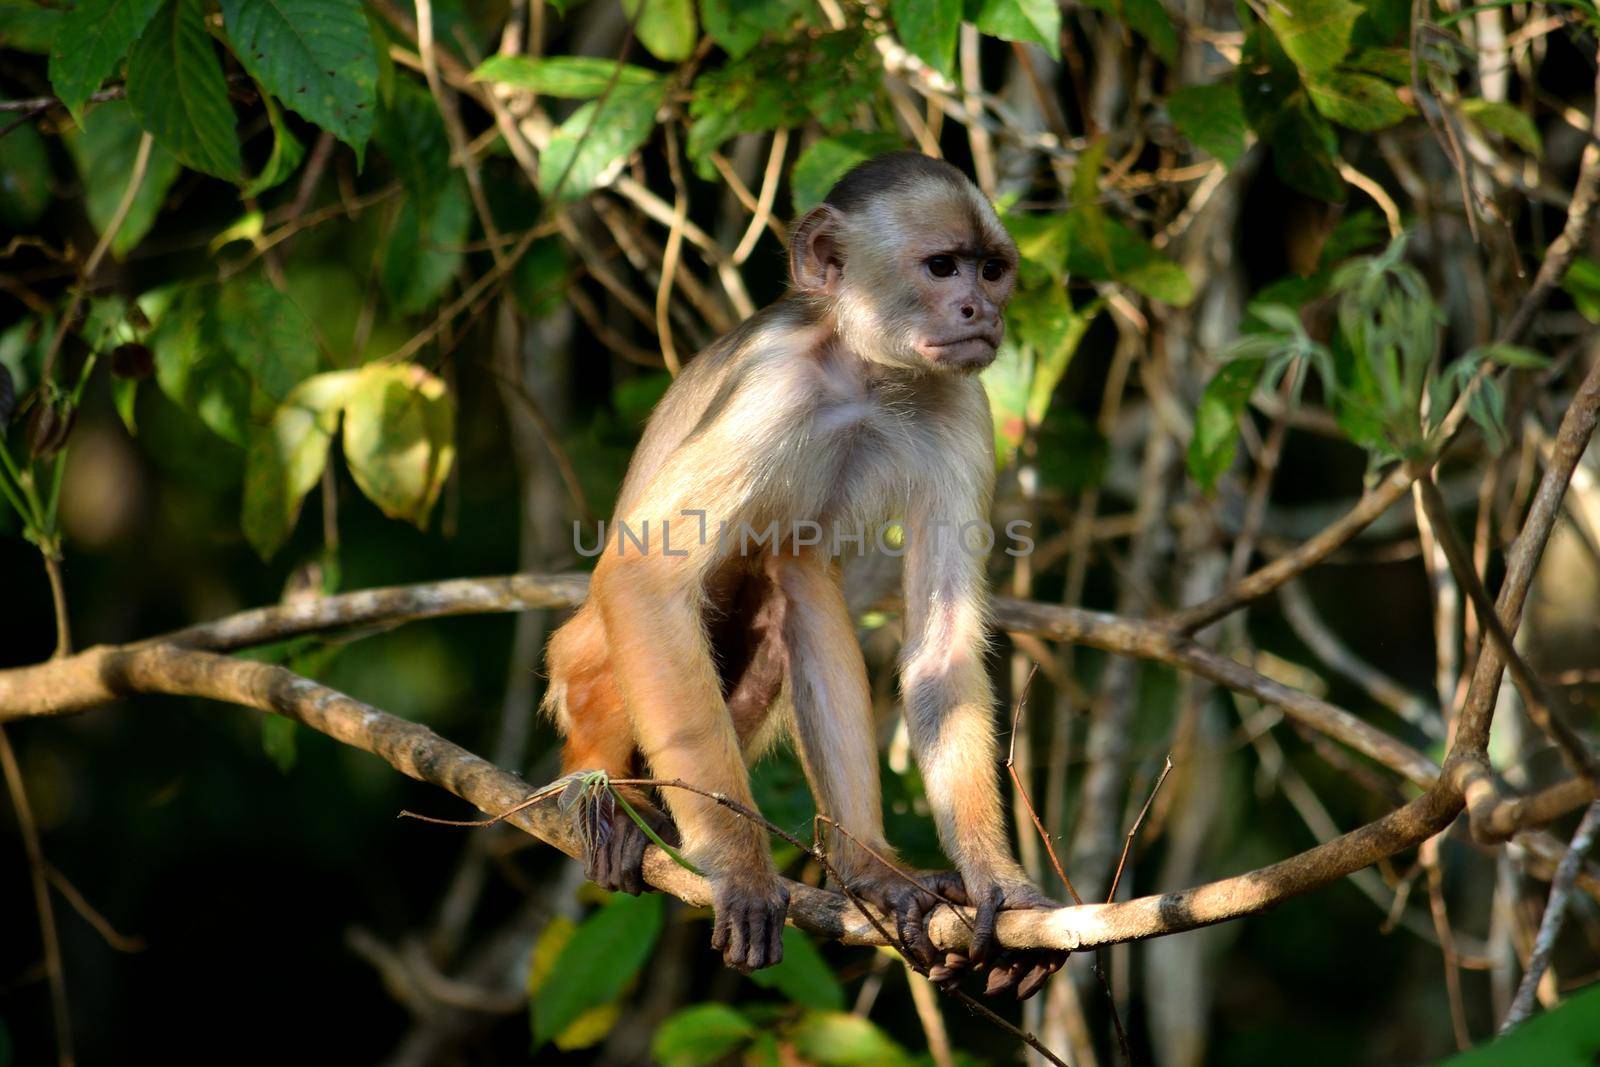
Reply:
x=306, y=297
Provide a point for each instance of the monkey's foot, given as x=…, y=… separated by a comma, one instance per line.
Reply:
x=1023, y=971
x=748, y=928
x=909, y=896
x=613, y=854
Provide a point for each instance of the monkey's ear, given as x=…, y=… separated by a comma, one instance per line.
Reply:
x=816, y=260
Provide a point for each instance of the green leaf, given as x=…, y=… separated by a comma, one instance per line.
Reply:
x=1564, y=1037
x=586, y=152
x=574, y=77
x=24, y=178
x=231, y=353
x=825, y=78
x=1515, y=356
x=91, y=39
x=739, y=25
x=266, y=334
x=1116, y=253
x=701, y=1035
x=1509, y=122
x=424, y=252
x=316, y=56
x=399, y=440
x=1216, y=420
x=286, y=153
x=1150, y=20
x=178, y=93
x=1038, y=21
x=286, y=456
x=278, y=741
x=200, y=380
x=1046, y=322
x=802, y=976
x=539, y=281
x=1358, y=101
x=837, y=1039
x=1314, y=33
x=605, y=952
x=26, y=26
x=1582, y=283
x=1007, y=381
x=1390, y=64
x=124, y=397
x=410, y=131
x=1304, y=146
x=827, y=160
x=666, y=28
x=1212, y=117
x=104, y=151
x=928, y=29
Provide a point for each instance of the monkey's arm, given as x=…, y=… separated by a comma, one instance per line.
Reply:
x=652, y=604
x=950, y=704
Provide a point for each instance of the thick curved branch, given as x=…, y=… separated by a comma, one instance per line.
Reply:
x=61, y=686
x=415, y=750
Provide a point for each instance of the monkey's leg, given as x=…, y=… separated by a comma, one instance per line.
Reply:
x=832, y=706
x=587, y=705
x=663, y=664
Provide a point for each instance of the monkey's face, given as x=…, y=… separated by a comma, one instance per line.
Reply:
x=926, y=279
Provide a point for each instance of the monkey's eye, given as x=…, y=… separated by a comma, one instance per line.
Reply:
x=941, y=266
x=994, y=270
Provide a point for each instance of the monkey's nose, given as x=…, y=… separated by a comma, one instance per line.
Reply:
x=967, y=311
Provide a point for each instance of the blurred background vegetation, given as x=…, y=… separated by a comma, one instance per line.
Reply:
x=302, y=296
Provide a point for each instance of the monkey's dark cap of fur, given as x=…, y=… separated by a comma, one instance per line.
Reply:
x=889, y=173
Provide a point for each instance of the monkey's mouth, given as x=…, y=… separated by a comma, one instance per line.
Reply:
x=969, y=352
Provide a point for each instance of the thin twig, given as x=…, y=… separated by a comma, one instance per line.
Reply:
x=1133, y=831
x=1554, y=913
x=37, y=868
x=761, y=214
x=669, y=258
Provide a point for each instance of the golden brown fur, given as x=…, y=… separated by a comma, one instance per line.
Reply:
x=846, y=405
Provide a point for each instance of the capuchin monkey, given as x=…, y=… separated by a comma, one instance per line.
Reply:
x=716, y=615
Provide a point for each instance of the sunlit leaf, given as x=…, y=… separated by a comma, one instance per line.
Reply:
x=587, y=151
x=285, y=458
x=828, y=159
x=576, y=77
x=399, y=439
x=665, y=27
x=1038, y=21
x=928, y=29
x=1315, y=33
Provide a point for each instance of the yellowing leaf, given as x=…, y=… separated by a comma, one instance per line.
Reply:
x=399, y=439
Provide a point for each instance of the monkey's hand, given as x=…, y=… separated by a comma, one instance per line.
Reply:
x=1023, y=970
x=613, y=854
x=750, y=908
